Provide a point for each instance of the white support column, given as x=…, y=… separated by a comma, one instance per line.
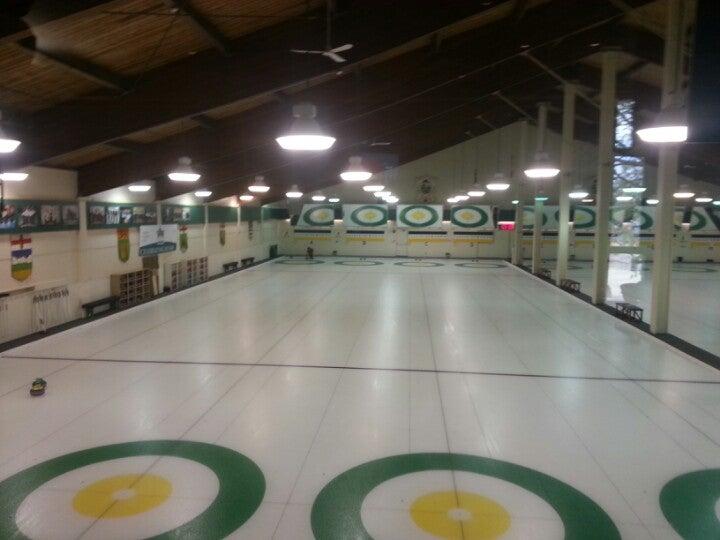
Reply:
x=206, y=228
x=566, y=180
x=538, y=213
x=667, y=173
x=606, y=142
x=82, y=262
x=520, y=162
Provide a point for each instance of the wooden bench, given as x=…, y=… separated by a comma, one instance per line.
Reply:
x=247, y=261
x=111, y=301
x=230, y=266
x=629, y=311
x=544, y=272
x=570, y=285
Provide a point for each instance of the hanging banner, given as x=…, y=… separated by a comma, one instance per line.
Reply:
x=20, y=257
x=183, y=238
x=317, y=215
x=123, y=240
x=644, y=218
x=584, y=220
x=418, y=216
x=365, y=215
x=529, y=218
x=472, y=216
x=222, y=234
x=701, y=222
x=156, y=239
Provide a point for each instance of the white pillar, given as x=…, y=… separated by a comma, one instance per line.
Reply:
x=520, y=162
x=667, y=173
x=566, y=180
x=206, y=228
x=82, y=253
x=538, y=214
x=606, y=143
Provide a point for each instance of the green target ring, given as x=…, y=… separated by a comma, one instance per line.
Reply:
x=480, y=265
x=336, y=512
x=359, y=263
x=419, y=264
x=292, y=262
x=242, y=484
x=688, y=502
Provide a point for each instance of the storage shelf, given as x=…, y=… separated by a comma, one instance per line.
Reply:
x=133, y=287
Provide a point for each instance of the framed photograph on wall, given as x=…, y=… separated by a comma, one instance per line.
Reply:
x=50, y=214
x=97, y=215
x=70, y=214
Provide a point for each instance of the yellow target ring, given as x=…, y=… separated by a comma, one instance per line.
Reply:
x=461, y=515
x=122, y=496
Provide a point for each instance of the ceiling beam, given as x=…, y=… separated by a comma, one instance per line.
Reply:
x=20, y=17
x=263, y=64
x=202, y=23
x=206, y=122
x=78, y=66
x=127, y=146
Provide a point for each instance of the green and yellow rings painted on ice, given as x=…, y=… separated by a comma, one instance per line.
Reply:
x=690, y=503
x=369, y=215
x=320, y=215
x=468, y=216
x=242, y=484
x=336, y=512
x=418, y=215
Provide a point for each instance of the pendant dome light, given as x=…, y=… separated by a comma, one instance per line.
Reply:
x=652, y=202
x=578, y=192
x=8, y=143
x=498, y=183
x=541, y=167
x=684, y=192
x=318, y=198
x=382, y=194
x=355, y=171
x=476, y=191
x=334, y=200
x=373, y=188
x=305, y=134
x=634, y=189
x=139, y=188
x=624, y=198
x=294, y=192
x=669, y=126
x=259, y=185
x=704, y=198
x=452, y=200
x=202, y=193
x=184, y=171
x=246, y=197
x=462, y=197
x=392, y=199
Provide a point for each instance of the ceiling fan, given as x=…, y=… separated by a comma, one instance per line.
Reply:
x=330, y=51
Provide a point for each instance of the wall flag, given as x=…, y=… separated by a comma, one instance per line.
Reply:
x=20, y=257
x=123, y=240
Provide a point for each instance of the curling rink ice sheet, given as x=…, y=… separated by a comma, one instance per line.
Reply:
x=349, y=398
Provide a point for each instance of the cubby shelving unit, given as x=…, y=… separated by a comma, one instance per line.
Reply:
x=133, y=287
x=186, y=273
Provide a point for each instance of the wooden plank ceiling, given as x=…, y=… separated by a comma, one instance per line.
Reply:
x=121, y=89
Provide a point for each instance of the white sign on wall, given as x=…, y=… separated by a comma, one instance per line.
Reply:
x=156, y=239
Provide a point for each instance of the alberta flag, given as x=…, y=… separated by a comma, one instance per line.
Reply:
x=20, y=257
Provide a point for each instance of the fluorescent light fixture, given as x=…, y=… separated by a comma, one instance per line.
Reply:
x=578, y=193
x=184, y=172
x=139, y=188
x=515, y=202
x=371, y=188
x=203, y=193
x=294, y=192
x=634, y=189
x=624, y=198
x=588, y=200
x=355, y=171
x=392, y=199
x=652, y=202
x=542, y=167
x=259, y=185
x=382, y=194
x=684, y=192
x=669, y=126
x=305, y=134
x=476, y=193
x=498, y=183
x=334, y=200
x=318, y=198
x=246, y=197
x=13, y=176
x=462, y=197
x=8, y=144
